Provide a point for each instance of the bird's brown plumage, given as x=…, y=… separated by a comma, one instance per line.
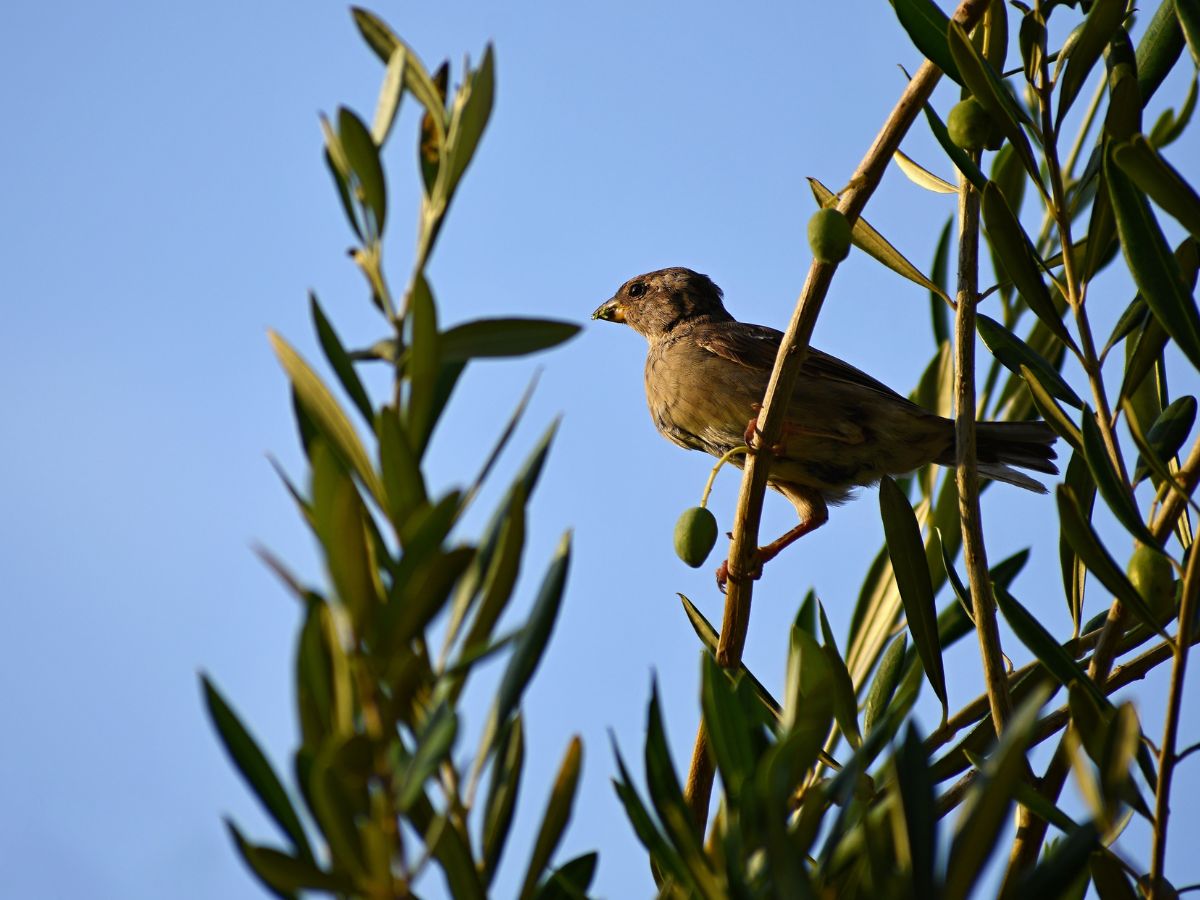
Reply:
x=706, y=373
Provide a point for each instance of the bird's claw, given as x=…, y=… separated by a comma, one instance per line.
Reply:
x=754, y=574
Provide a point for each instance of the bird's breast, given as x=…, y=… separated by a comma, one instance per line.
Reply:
x=698, y=400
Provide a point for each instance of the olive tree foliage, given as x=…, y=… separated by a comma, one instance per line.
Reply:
x=406, y=616
x=830, y=789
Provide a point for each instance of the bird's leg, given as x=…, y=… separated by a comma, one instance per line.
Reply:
x=765, y=554
x=813, y=514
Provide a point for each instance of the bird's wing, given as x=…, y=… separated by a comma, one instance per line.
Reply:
x=756, y=346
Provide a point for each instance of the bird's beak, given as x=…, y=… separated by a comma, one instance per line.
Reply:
x=612, y=311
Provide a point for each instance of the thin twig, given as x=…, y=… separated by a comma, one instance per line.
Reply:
x=1167, y=758
x=792, y=351
x=1122, y=676
x=966, y=470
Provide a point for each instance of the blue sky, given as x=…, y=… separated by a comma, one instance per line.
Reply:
x=165, y=203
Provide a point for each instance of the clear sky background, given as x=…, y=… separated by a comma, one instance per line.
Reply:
x=164, y=203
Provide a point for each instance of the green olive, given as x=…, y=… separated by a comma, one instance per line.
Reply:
x=1154, y=578
x=695, y=535
x=969, y=125
x=829, y=236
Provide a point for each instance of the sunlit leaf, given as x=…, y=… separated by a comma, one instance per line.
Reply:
x=874, y=244
x=556, y=816
x=326, y=414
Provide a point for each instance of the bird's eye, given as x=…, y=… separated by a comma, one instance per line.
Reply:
x=637, y=289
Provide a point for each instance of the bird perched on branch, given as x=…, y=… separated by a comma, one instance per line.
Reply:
x=706, y=374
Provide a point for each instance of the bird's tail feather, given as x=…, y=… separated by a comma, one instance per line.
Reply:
x=999, y=446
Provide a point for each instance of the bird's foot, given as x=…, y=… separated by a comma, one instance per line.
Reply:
x=751, y=435
x=754, y=574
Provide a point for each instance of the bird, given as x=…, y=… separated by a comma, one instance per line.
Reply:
x=706, y=374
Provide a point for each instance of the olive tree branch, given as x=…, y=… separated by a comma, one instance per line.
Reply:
x=792, y=352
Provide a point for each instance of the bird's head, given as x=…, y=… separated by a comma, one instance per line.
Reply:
x=656, y=303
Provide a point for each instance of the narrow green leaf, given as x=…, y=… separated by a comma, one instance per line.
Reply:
x=926, y=26
x=1157, y=178
x=845, y=706
x=1160, y=46
x=341, y=524
x=1143, y=353
x=709, y=637
x=363, y=156
x=1166, y=435
x=1032, y=41
x=469, y=116
x=384, y=42
x=502, y=793
x=253, y=765
x=337, y=808
x=1155, y=270
x=325, y=413
x=1112, y=488
x=532, y=642
x=420, y=596
x=510, y=428
x=472, y=583
x=920, y=814
x=1078, y=532
x=1082, y=488
x=503, y=338
x=907, y=553
x=730, y=728
x=334, y=163
x=283, y=874
x=1042, y=644
x=1020, y=260
x=1014, y=354
x=403, y=482
x=496, y=589
x=556, y=816
x=938, y=308
x=1055, y=416
x=667, y=797
x=1133, y=318
x=1188, y=14
x=1059, y=871
x=391, y=92
x=991, y=93
x=339, y=360
x=434, y=743
x=1171, y=125
x=807, y=697
x=314, y=687
x=1103, y=19
x=1109, y=876
x=571, y=880
x=874, y=244
x=666, y=859
x=424, y=365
